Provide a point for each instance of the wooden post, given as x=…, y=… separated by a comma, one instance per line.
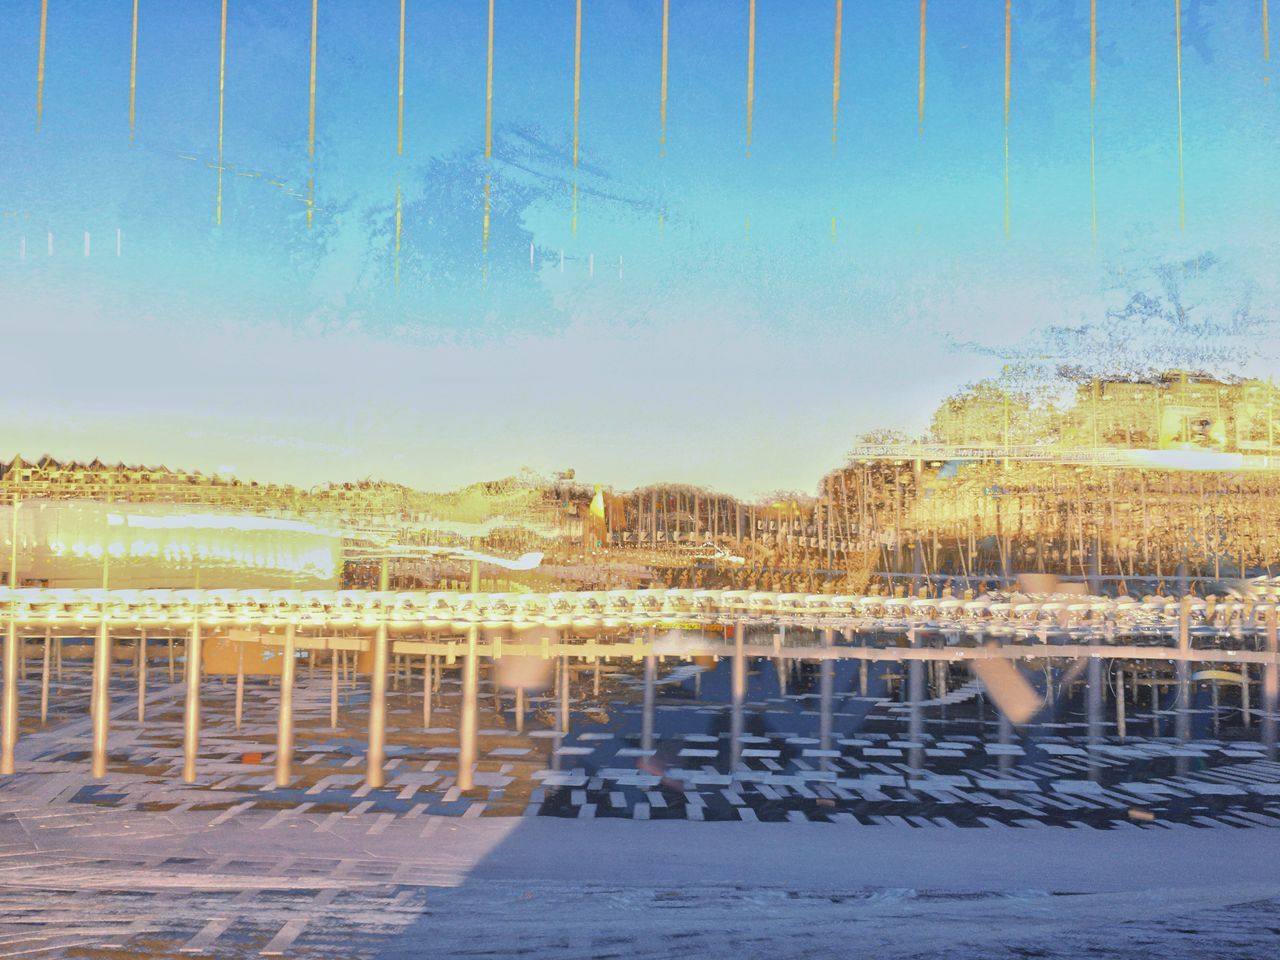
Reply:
x=9, y=735
x=191, y=715
x=375, y=775
x=646, y=716
x=826, y=690
x=44, y=677
x=1270, y=686
x=99, y=697
x=239, y=683
x=739, y=692
x=1120, y=727
x=284, y=731
x=142, y=673
x=427, y=670
x=467, y=727
x=564, y=695
x=333, y=689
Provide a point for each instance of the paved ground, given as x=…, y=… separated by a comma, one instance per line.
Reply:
x=956, y=843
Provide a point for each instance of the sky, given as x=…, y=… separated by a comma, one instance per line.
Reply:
x=713, y=315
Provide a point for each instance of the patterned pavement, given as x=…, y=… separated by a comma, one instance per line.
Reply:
x=140, y=864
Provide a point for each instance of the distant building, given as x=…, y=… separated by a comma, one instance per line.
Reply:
x=143, y=546
x=1176, y=411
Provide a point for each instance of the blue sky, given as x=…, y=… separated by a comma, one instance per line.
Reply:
x=676, y=343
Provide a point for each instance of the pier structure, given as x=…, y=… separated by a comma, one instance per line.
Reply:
x=380, y=632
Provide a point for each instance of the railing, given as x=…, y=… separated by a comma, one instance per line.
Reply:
x=423, y=611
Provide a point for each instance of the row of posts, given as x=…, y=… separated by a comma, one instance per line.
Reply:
x=915, y=677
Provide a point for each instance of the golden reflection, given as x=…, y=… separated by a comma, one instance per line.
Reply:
x=133, y=67
x=400, y=94
x=1182, y=197
x=662, y=135
x=222, y=82
x=1008, y=62
x=751, y=70
x=920, y=106
x=488, y=92
x=311, y=116
x=1093, y=97
x=488, y=136
x=44, y=19
x=835, y=76
x=577, y=89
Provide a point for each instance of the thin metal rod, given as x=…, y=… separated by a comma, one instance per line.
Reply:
x=9, y=711
x=98, y=699
x=467, y=725
x=333, y=689
x=239, y=684
x=284, y=733
x=739, y=694
x=142, y=675
x=375, y=775
x=646, y=734
x=1270, y=688
x=44, y=678
x=427, y=670
x=564, y=696
x=191, y=714
x=826, y=694
x=1120, y=718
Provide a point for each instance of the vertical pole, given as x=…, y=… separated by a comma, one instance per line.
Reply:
x=44, y=678
x=239, y=683
x=1120, y=728
x=1155, y=704
x=375, y=775
x=595, y=679
x=1270, y=686
x=739, y=695
x=142, y=673
x=191, y=714
x=426, y=691
x=9, y=708
x=9, y=736
x=468, y=724
x=519, y=709
x=170, y=661
x=99, y=697
x=1005, y=728
x=827, y=691
x=1093, y=693
x=915, y=683
x=564, y=696
x=284, y=732
x=1213, y=693
x=1183, y=717
x=1245, y=718
x=646, y=716
x=333, y=689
